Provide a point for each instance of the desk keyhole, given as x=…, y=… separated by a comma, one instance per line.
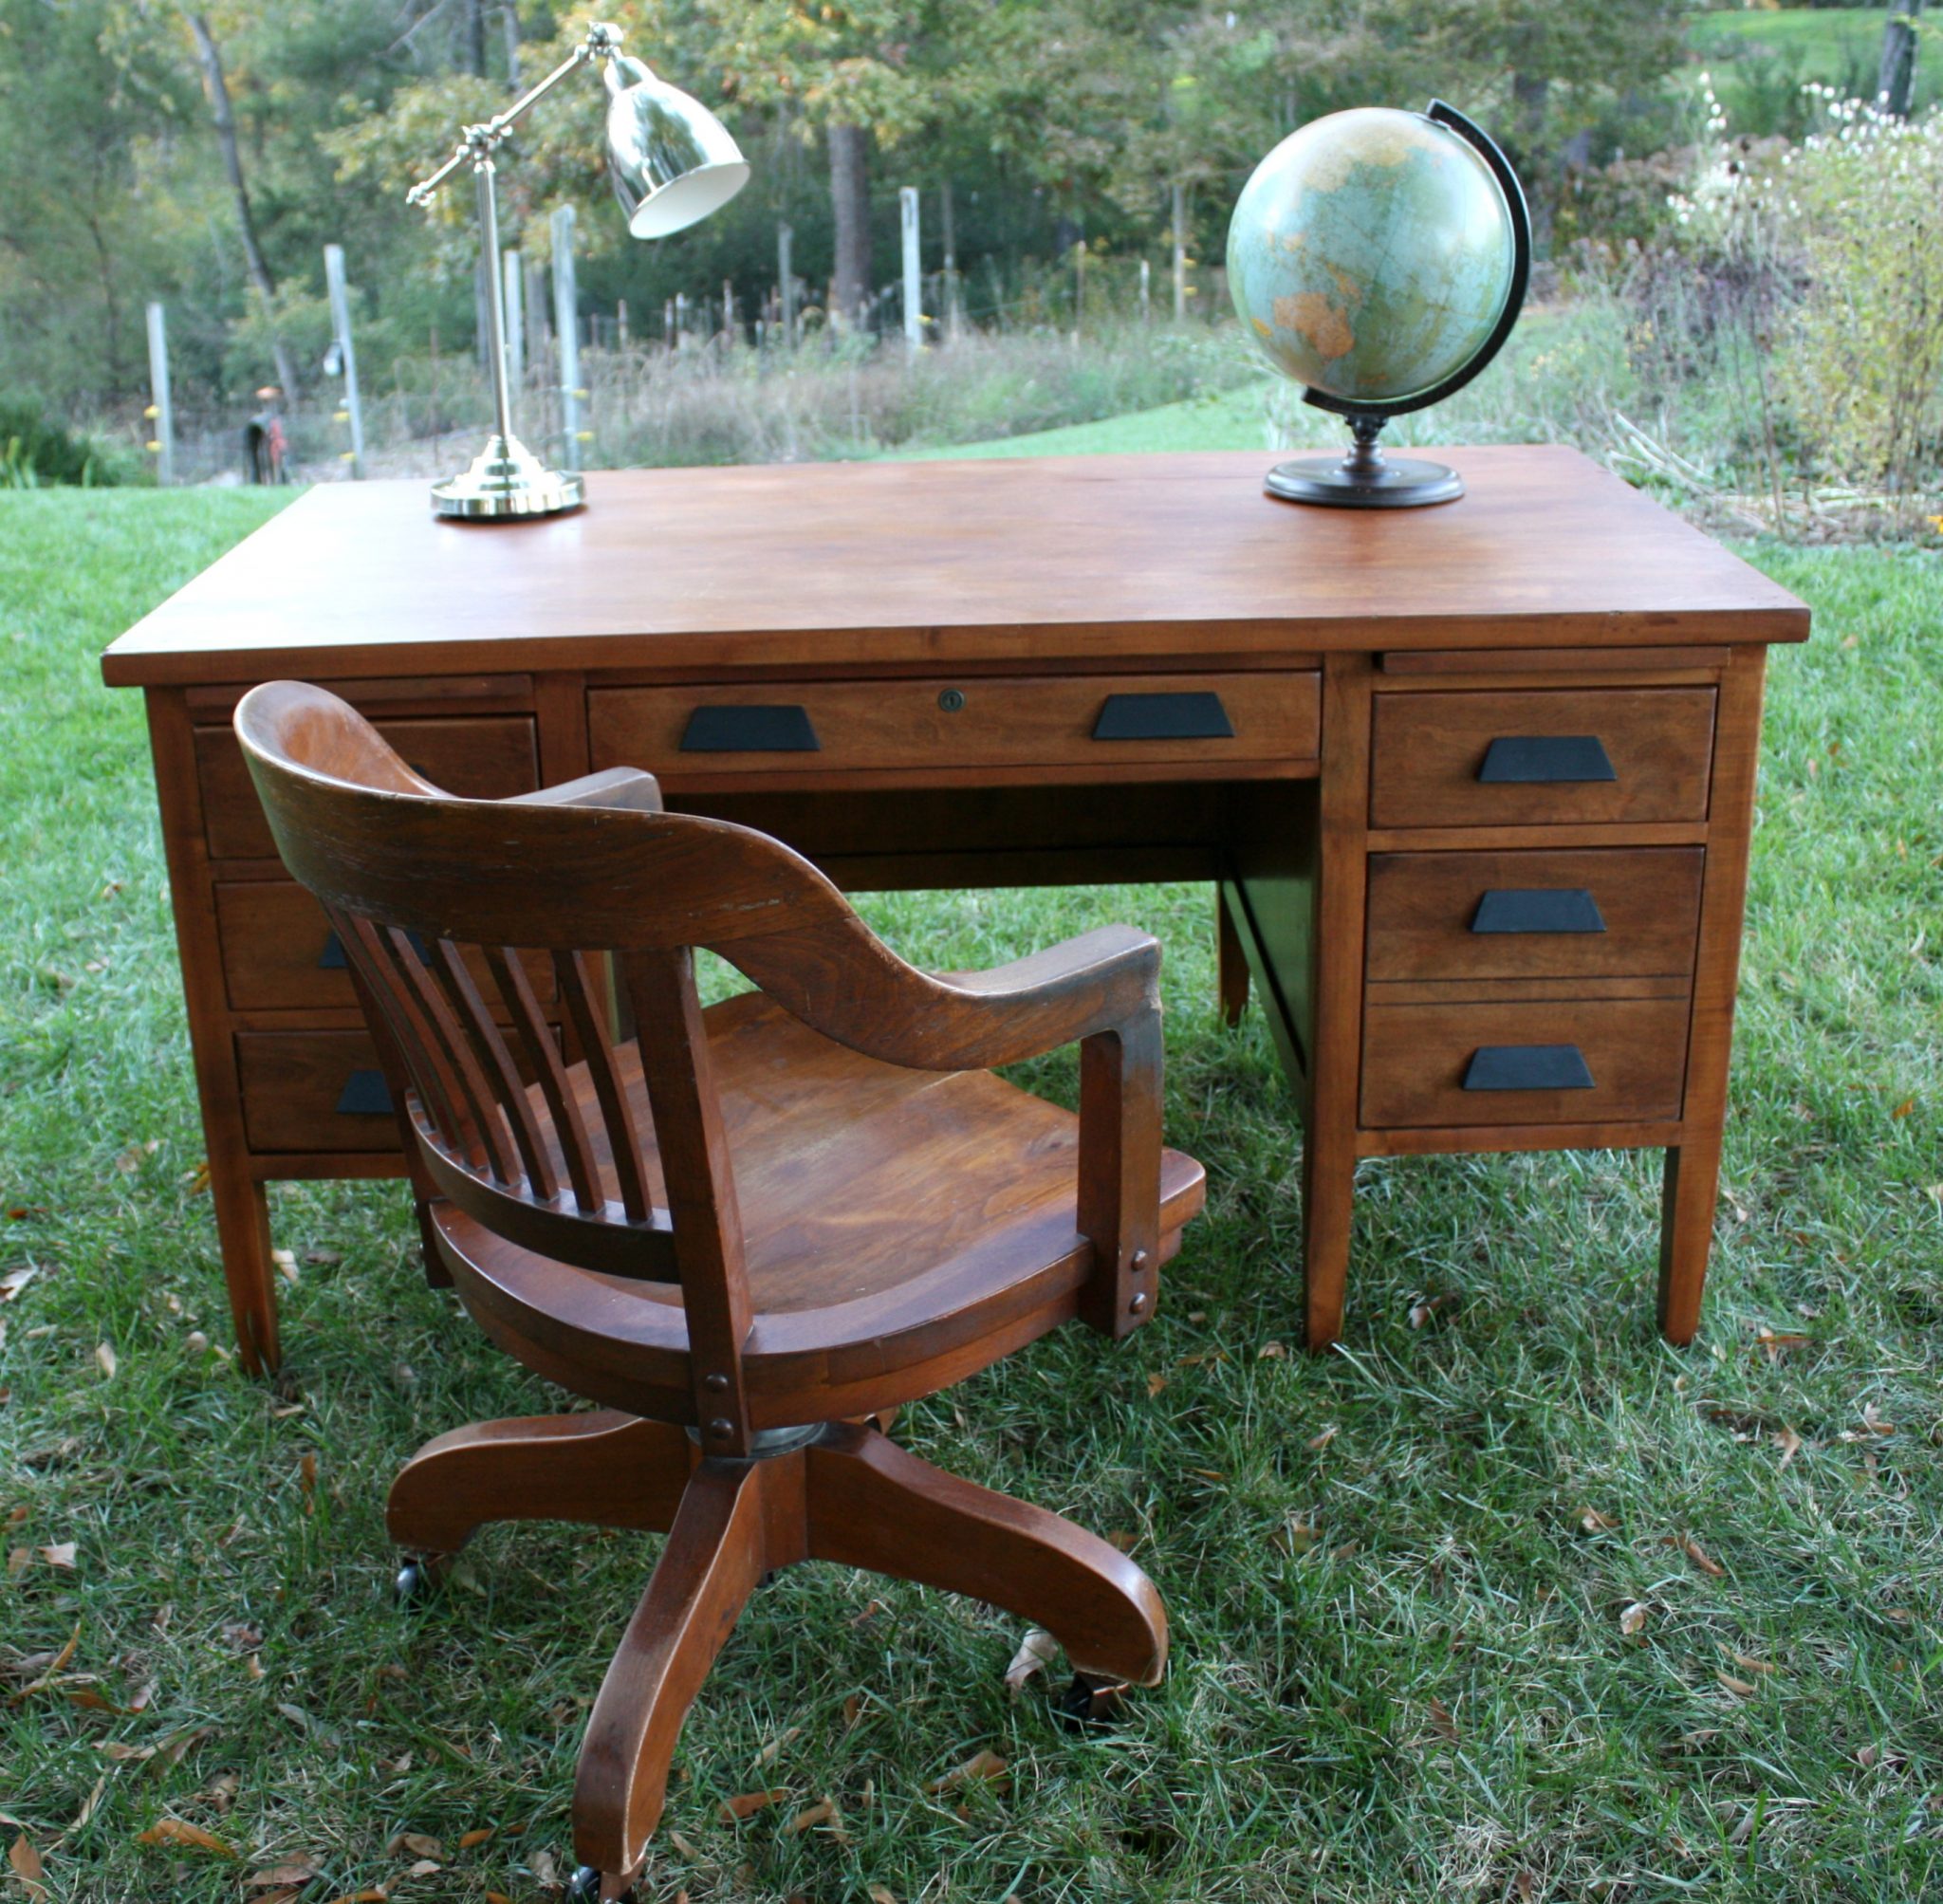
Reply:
x=951, y=700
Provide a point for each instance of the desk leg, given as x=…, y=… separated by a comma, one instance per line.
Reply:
x=1692, y=1169
x=1686, y=1234
x=1336, y=950
x=1232, y=962
x=243, y=1232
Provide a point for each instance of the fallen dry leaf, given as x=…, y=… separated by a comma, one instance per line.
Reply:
x=878, y=1894
x=745, y=1805
x=1593, y=1522
x=88, y=1804
x=122, y=1752
x=60, y=1555
x=1319, y=1442
x=1752, y=1665
x=684, y=1847
x=1696, y=1553
x=1441, y=1719
x=26, y=1865
x=820, y=1813
x=1271, y=1352
x=870, y=1612
x=372, y=1893
x=176, y=1747
x=1154, y=1384
x=1790, y=1444
x=1633, y=1619
x=306, y=1479
x=981, y=1767
x=187, y=1836
x=1037, y=1651
x=779, y=1744
x=1298, y=1537
x=418, y=1843
x=423, y=1868
x=298, y=1871
x=16, y=1280
x=471, y=1839
x=104, y=1355
x=1740, y=1688
x=42, y=1667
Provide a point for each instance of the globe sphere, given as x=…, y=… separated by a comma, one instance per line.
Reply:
x=1371, y=255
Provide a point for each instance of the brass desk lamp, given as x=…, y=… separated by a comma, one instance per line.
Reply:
x=672, y=162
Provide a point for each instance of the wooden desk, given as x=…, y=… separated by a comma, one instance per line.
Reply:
x=1360, y=723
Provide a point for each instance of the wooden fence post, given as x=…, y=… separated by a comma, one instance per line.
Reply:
x=914, y=280
x=163, y=443
x=566, y=330
x=348, y=353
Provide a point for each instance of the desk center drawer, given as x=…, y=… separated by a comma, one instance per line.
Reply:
x=1606, y=913
x=1546, y=757
x=693, y=734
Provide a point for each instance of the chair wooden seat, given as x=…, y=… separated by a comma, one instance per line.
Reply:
x=749, y=1231
x=886, y=1252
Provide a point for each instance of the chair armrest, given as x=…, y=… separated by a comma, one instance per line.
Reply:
x=1068, y=991
x=628, y=787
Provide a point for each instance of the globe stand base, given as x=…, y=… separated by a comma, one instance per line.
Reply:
x=1365, y=478
x=1406, y=484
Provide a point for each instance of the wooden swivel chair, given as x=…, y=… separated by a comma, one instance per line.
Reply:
x=748, y=1233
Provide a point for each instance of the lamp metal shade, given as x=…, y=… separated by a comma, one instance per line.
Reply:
x=672, y=160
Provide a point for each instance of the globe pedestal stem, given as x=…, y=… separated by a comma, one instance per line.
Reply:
x=1365, y=478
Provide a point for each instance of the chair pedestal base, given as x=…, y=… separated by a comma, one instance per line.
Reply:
x=849, y=1495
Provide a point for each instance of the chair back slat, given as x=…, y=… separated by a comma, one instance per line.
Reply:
x=543, y=1060
x=584, y=1007
x=465, y=1084
x=370, y=947
x=508, y=1092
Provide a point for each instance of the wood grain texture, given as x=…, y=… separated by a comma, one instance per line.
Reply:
x=1423, y=908
x=922, y=564
x=1033, y=721
x=1692, y=1169
x=1660, y=661
x=1415, y=1057
x=1429, y=748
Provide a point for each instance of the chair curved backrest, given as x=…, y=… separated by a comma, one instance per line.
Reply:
x=456, y=913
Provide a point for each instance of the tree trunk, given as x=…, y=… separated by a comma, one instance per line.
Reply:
x=1895, y=83
x=1531, y=93
x=474, y=25
x=219, y=91
x=850, y=202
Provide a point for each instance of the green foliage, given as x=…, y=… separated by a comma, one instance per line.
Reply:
x=1396, y=1574
x=1862, y=199
x=34, y=451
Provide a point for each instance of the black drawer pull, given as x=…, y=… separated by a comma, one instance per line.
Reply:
x=1163, y=717
x=733, y=729
x=1554, y=910
x=1524, y=758
x=332, y=957
x=365, y=1094
x=1528, y=1068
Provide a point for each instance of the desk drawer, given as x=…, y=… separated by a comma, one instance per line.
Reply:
x=1611, y=913
x=690, y=733
x=314, y=1091
x=481, y=756
x=279, y=952
x=1591, y=1060
x=1546, y=757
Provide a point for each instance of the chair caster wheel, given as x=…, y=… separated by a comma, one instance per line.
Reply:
x=1089, y=1704
x=585, y=1885
x=417, y=1579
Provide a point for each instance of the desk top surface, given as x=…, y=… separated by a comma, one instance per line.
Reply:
x=848, y=564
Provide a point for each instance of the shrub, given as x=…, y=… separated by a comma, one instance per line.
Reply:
x=1862, y=203
x=34, y=451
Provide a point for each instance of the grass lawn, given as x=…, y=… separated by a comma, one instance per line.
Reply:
x=1759, y=54
x=1399, y=1576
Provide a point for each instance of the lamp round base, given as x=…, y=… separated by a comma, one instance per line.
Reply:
x=506, y=482
x=1402, y=484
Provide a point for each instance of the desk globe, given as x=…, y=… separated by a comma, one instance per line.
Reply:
x=1379, y=259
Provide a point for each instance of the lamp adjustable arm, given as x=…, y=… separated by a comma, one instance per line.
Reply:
x=479, y=142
